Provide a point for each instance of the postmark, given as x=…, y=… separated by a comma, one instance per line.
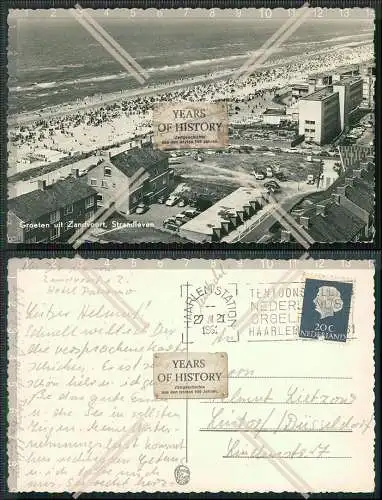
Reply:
x=190, y=375
x=188, y=125
x=210, y=308
x=326, y=309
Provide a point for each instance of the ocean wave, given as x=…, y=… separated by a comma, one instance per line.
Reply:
x=60, y=67
x=91, y=80
x=200, y=62
x=122, y=75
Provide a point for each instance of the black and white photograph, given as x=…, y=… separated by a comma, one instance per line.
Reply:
x=113, y=137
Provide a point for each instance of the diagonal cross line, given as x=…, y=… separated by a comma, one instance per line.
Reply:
x=290, y=275
x=112, y=42
x=281, y=35
x=110, y=455
x=102, y=214
x=286, y=220
x=280, y=464
x=109, y=44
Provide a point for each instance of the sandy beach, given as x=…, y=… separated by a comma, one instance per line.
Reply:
x=41, y=137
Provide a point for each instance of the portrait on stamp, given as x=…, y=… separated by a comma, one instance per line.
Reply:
x=325, y=309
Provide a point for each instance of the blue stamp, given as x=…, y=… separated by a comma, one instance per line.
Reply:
x=325, y=309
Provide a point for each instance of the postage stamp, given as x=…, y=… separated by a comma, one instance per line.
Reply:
x=190, y=375
x=185, y=125
x=326, y=309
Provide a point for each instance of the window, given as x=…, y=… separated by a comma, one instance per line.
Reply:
x=164, y=180
x=93, y=182
x=154, y=186
x=68, y=209
x=89, y=202
x=107, y=172
x=54, y=217
x=104, y=184
x=54, y=232
x=310, y=122
x=89, y=215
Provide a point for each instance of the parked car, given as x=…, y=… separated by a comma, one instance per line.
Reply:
x=172, y=200
x=141, y=208
x=310, y=179
x=180, y=219
x=182, y=203
x=259, y=175
x=174, y=161
x=170, y=220
x=171, y=226
x=272, y=184
x=269, y=172
x=272, y=188
x=191, y=212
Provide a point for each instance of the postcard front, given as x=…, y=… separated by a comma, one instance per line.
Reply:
x=92, y=344
x=191, y=126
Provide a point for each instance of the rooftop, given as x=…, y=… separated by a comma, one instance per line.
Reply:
x=348, y=80
x=132, y=160
x=302, y=86
x=274, y=111
x=338, y=225
x=319, y=95
x=32, y=205
x=213, y=216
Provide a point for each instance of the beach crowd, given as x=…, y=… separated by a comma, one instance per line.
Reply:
x=104, y=122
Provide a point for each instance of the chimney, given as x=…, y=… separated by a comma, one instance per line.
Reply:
x=305, y=221
x=349, y=181
x=240, y=215
x=225, y=226
x=357, y=173
x=336, y=198
x=75, y=172
x=41, y=185
x=285, y=235
x=321, y=210
x=216, y=233
x=248, y=210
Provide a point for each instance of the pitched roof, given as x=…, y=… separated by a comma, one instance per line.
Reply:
x=362, y=194
x=338, y=225
x=32, y=205
x=128, y=162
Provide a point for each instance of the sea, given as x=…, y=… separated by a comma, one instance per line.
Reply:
x=54, y=60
